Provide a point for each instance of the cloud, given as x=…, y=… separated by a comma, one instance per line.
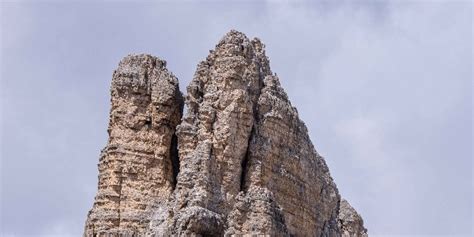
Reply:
x=383, y=91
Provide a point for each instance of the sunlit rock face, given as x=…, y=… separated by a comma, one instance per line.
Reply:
x=239, y=162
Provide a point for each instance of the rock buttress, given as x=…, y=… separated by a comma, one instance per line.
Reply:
x=349, y=221
x=288, y=189
x=135, y=168
x=214, y=135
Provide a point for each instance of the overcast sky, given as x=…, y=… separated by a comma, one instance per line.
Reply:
x=384, y=88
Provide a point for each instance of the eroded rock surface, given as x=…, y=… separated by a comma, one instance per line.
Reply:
x=350, y=222
x=242, y=162
x=136, y=166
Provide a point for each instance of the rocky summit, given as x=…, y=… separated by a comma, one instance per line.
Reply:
x=239, y=162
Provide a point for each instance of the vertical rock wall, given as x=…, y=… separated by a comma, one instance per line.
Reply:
x=214, y=135
x=239, y=162
x=135, y=168
x=287, y=188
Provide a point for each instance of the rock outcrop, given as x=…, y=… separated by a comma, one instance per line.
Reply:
x=350, y=222
x=239, y=162
x=136, y=167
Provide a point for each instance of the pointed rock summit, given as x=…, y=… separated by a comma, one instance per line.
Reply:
x=239, y=162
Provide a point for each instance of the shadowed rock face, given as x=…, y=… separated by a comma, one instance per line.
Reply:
x=239, y=162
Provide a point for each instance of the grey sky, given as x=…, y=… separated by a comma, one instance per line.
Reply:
x=384, y=88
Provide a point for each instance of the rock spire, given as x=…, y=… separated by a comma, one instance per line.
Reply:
x=239, y=162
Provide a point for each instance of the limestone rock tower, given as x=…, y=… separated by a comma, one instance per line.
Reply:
x=239, y=162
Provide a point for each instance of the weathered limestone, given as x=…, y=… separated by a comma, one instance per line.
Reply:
x=350, y=222
x=214, y=135
x=135, y=168
x=243, y=162
x=288, y=188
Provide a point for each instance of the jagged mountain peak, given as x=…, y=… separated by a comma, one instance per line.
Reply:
x=238, y=162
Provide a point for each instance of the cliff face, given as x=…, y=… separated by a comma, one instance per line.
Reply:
x=239, y=162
